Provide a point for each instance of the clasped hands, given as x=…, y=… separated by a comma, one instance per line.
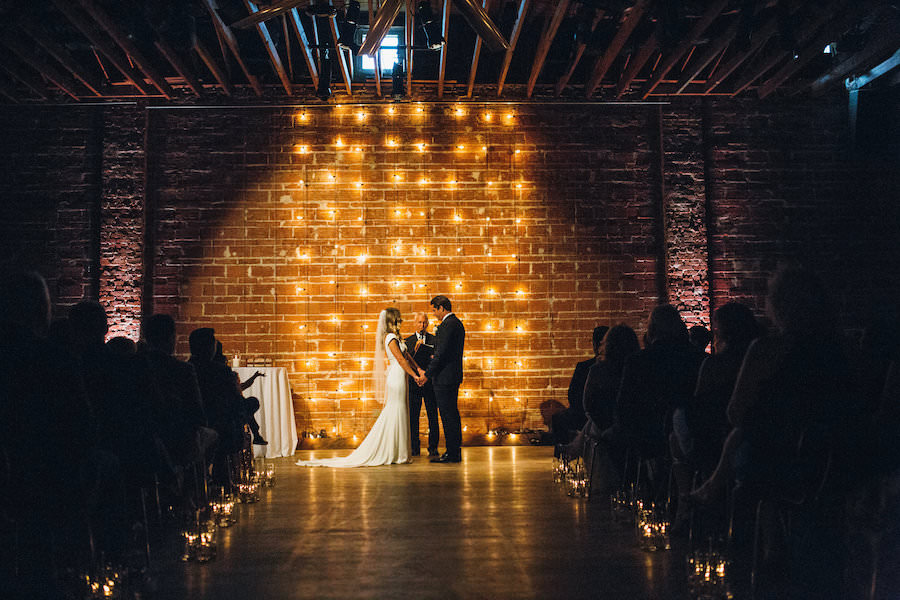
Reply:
x=421, y=379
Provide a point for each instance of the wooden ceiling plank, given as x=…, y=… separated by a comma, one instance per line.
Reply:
x=124, y=41
x=384, y=19
x=615, y=46
x=113, y=54
x=476, y=55
x=712, y=13
x=228, y=37
x=213, y=67
x=181, y=67
x=832, y=27
x=267, y=12
x=883, y=40
x=513, y=40
x=48, y=71
x=305, y=50
x=543, y=47
x=445, y=31
x=341, y=59
x=882, y=68
x=638, y=61
x=271, y=50
x=576, y=57
x=714, y=50
x=776, y=56
x=31, y=82
x=62, y=56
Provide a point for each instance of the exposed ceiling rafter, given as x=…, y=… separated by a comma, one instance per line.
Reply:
x=615, y=46
x=271, y=50
x=543, y=48
x=513, y=40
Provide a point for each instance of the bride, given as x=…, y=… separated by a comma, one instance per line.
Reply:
x=388, y=441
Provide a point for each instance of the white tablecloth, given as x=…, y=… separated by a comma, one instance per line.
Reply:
x=276, y=410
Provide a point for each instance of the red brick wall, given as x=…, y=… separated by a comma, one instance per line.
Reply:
x=601, y=226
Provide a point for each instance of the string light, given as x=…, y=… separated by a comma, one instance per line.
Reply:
x=361, y=116
x=460, y=112
x=488, y=116
x=391, y=142
x=460, y=147
x=420, y=146
x=362, y=258
x=508, y=117
x=420, y=108
x=301, y=149
x=339, y=143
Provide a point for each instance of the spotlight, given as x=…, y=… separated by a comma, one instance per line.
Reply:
x=397, y=84
x=429, y=25
x=323, y=91
x=347, y=26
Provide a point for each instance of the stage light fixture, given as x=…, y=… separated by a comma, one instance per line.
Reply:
x=321, y=9
x=347, y=28
x=323, y=91
x=398, y=86
x=430, y=26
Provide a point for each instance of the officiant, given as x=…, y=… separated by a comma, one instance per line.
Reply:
x=421, y=346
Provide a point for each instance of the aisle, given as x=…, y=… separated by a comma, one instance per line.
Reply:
x=494, y=526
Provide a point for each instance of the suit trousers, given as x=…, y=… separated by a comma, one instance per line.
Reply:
x=418, y=395
x=446, y=396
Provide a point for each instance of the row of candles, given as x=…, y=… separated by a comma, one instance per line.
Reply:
x=200, y=533
x=707, y=569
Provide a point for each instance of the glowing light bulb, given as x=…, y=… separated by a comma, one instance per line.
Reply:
x=459, y=286
x=301, y=183
x=518, y=221
x=465, y=427
x=423, y=181
x=457, y=217
x=459, y=249
x=420, y=109
x=302, y=327
x=304, y=256
x=508, y=117
x=359, y=184
x=303, y=116
x=357, y=149
x=354, y=437
x=484, y=148
x=488, y=327
x=302, y=149
x=360, y=116
x=420, y=147
x=518, y=151
x=460, y=147
x=332, y=177
x=460, y=112
x=309, y=364
x=452, y=182
x=299, y=217
x=491, y=292
x=490, y=183
x=488, y=116
x=397, y=213
x=339, y=143
x=362, y=258
x=334, y=319
x=397, y=177
x=391, y=142
x=331, y=282
x=519, y=185
x=362, y=361
x=518, y=399
x=491, y=399
x=390, y=110
x=363, y=291
x=421, y=213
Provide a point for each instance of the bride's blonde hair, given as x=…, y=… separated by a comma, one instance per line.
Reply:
x=392, y=320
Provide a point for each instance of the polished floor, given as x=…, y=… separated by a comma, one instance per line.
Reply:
x=494, y=526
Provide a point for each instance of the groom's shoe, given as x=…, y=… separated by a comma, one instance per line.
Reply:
x=446, y=457
x=433, y=452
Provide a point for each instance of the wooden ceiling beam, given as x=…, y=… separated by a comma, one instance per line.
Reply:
x=125, y=43
x=95, y=37
x=267, y=12
x=576, y=56
x=882, y=68
x=513, y=40
x=690, y=40
x=816, y=17
x=62, y=56
x=408, y=32
x=712, y=51
x=831, y=29
x=615, y=46
x=305, y=50
x=213, y=67
x=227, y=36
x=181, y=67
x=33, y=83
x=881, y=41
x=48, y=71
x=637, y=62
x=476, y=55
x=445, y=31
x=543, y=48
x=271, y=50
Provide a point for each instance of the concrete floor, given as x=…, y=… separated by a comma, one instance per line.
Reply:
x=494, y=526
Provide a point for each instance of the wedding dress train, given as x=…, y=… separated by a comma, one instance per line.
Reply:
x=388, y=442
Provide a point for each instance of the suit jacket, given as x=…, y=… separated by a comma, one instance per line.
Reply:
x=576, y=385
x=446, y=367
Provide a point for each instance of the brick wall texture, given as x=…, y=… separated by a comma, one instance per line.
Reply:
x=289, y=229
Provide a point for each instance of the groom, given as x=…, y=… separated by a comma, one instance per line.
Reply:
x=446, y=372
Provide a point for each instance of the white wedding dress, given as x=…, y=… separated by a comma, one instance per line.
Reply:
x=388, y=441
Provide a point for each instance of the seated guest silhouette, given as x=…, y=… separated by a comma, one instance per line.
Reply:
x=246, y=406
x=569, y=421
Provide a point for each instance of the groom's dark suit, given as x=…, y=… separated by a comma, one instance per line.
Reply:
x=446, y=372
x=422, y=356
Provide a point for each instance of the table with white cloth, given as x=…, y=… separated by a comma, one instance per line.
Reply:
x=276, y=410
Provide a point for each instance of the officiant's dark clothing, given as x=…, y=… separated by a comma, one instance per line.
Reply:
x=572, y=419
x=422, y=351
x=446, y=371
